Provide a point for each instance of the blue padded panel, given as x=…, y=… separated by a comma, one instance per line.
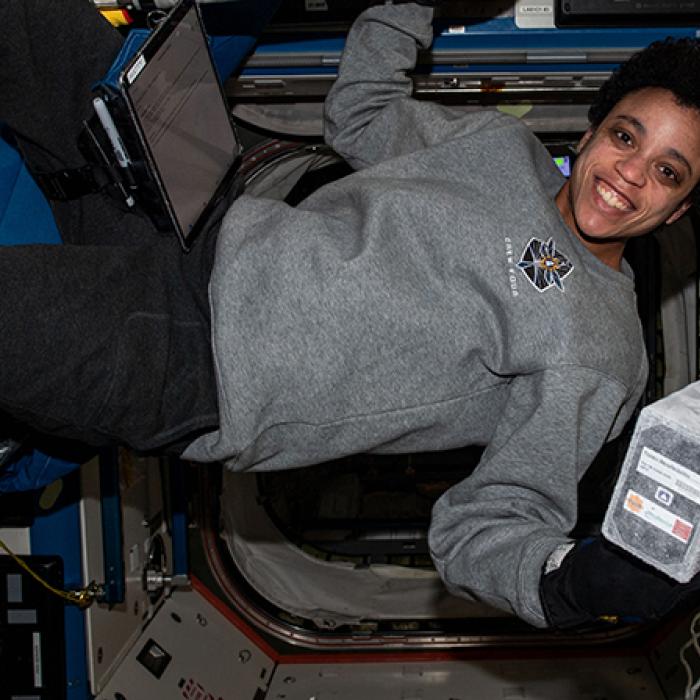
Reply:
x=20, y=196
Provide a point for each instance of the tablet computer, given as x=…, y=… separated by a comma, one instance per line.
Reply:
x=187, y=142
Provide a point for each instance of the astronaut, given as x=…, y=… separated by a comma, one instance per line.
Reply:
x=453, y=290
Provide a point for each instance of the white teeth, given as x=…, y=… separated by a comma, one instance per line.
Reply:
x=610, y=197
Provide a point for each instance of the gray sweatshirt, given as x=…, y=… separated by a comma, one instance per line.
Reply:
x=433, y=299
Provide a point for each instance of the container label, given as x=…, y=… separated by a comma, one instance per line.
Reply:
x=657, y=516
x=670, y=474
x=316, y=6
x=135, y=70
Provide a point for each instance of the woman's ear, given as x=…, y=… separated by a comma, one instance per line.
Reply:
x=584, y=139
x=682, y=209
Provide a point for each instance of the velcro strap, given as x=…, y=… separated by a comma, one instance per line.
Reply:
x=64, y=185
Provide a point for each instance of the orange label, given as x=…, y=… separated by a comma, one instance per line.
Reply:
x=634, y=503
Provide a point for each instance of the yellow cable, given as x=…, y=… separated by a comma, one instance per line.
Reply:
x=83, y=597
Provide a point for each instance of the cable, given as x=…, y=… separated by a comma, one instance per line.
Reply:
x=83, y=597
x=691, y=689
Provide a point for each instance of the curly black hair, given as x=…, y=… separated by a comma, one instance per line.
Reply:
x=672, y=64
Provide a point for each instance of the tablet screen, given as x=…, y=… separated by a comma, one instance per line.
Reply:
x=184, y=118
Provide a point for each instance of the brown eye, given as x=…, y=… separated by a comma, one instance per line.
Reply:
x=623, y=136
x=669, y=173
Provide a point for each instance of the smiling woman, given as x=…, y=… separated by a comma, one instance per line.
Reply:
x=431, y=300
x=636, y=171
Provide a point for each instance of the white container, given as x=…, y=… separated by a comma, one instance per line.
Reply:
x=654, y=512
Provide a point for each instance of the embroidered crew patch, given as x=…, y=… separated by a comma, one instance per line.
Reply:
x=544, y=265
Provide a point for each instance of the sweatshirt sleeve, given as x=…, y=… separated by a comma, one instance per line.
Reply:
x=370, y=115
x=492, y=533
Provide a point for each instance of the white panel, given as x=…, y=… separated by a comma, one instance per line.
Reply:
x=112, y=630
x=209, y=657
x=17, y=539
x=555, y=679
